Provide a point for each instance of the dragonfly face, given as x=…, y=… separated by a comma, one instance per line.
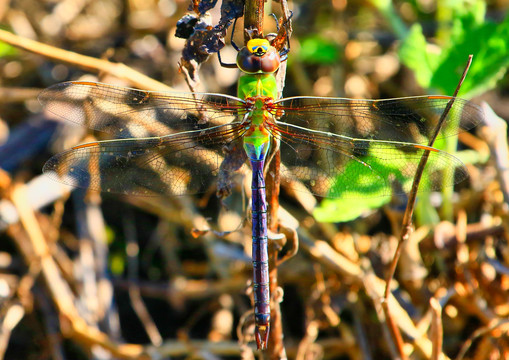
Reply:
x=258, y=57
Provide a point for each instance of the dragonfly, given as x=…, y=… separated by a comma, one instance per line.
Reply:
x=172, y=144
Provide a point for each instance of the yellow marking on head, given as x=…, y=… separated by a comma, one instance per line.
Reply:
x=425, y=148
x=85, y=145
x=258, y=46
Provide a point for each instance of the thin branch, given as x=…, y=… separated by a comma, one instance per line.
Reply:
x=118, y=70
x=14, y=313
x=17, y=94
x=407, y=217
x=253, y=16
x=437, y=330
x=499, y=323
x=139, y=307
x=72, y=324
x=495, y=135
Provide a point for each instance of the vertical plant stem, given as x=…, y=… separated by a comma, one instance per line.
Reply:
x=253, y=16
x=276, y=348
x=406, y=228
x=437, y=330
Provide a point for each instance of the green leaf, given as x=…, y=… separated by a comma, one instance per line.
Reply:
x=360, y=188
x=425, y=213
x=440, y=70
x=386, y=8
x=488, y=42
x=414, y=53
x=342, y=210
x=7, y=50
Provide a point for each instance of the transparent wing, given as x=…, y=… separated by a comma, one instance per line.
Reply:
x=411, y=119
x=127, y=113
x=176, y=164
x=339, y=166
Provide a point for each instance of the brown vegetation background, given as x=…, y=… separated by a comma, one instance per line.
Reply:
x=91, y=276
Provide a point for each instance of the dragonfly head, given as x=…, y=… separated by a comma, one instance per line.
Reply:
x=258, y=57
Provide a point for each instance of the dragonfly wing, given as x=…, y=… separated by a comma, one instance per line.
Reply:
x=411, y=119
x=127, y=113
x=338, y=166
x=171, y=165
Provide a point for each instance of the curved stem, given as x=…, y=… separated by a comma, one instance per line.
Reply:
x=407, y=226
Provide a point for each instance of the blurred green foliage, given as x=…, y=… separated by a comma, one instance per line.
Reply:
x=7, y=50
x=317, y=49
x=369, y=193
x=370, y=190
x=117, y=263
x=461, y=29
x=438, y=68
x=117, y=256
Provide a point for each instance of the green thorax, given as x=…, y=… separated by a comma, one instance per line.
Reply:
x=252, y=85
x=261, y=88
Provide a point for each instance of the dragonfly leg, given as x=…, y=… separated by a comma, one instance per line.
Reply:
x=233, y=32
x=225, y=65
x=228, y=65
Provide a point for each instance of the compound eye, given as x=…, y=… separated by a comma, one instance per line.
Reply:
x=252, y=63
x=270, y=61
x=247, y=62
